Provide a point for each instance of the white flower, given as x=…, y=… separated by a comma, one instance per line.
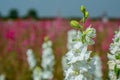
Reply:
x=65, y=66
x=89, y=34
x=37, y=74
x=72, y=34
x=114, y=58
x=31, y=58
x=2, y=77
x=47, y=75
x=47, y=60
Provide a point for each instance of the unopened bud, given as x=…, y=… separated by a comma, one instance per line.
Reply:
x=75, y=24
x=86, y=14
x=83, y=9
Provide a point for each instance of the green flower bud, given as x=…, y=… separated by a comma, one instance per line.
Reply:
x=46, y=38
x=86, y=14
x=83, y=9
x=75, y=24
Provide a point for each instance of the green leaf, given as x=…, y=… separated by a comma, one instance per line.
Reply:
x=117, y=71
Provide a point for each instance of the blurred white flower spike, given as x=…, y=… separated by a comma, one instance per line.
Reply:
x=114, y=58
x=31, y=59
x=37, y=73
x=98, y=68
x=80, y=65
x=2, y=77
x=48, y=60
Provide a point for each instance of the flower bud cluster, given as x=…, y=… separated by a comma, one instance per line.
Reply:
x=48, y=60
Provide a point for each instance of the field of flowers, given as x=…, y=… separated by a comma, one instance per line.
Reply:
x=17, y=36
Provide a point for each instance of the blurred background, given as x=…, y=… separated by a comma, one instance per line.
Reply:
x=25, y=23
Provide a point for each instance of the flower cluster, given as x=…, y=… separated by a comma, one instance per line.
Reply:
x=97, y=68
x=47, y=59
x=78, y=61
x=31, y=59
x=47, y=62
x=72, y=34
x=78, y=58
x=114, y=58
x=37, y=73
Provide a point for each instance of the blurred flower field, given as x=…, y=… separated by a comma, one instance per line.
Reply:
x=17, y=36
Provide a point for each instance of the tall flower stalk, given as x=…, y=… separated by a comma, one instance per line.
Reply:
x=114, y=58
x=97, y=68
x=31, y=59
x=78, y=58
x=47, y=60
x=36, y=71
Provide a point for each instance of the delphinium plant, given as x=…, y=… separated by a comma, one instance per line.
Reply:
x=31, y=59
x=48, y=60
x=114, y=58
x=36, y=71
x=78, y=58
x=72, y=34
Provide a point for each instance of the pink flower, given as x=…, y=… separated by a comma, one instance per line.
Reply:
x=10, y=35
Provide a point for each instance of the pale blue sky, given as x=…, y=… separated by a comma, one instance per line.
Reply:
x=64, y=8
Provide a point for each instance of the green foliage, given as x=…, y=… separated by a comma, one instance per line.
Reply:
x=117, y=56
x=13, y=14
x=117, y=71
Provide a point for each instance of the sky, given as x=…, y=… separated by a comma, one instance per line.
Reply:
x=63, y=8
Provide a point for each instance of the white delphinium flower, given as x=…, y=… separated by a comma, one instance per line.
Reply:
x=81, y=66
x=37, y=73
x=2, y=77
x=114, y=58
x=72, y=34
x=64, y=64
x=47, y=59
x=31, y=59
x=78, y=57
x=98, y=68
